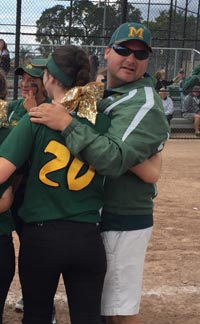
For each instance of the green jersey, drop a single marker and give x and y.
(59, 186)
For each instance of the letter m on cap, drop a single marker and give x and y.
(133, 32)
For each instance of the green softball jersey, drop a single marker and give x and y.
(59, 186)
(138, 129)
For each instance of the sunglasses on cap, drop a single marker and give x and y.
(125, 51)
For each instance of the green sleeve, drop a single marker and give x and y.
(190, 82)
(17, 146)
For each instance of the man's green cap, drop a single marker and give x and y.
(131, 31)
(34, 71)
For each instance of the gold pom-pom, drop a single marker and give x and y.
(3, 113)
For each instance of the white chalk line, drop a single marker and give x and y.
(172, 290)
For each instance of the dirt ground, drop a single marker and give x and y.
(171, 289)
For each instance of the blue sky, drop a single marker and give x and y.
(30, 13)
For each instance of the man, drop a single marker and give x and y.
(137, 131)
(192, 108)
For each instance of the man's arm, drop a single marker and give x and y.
(138, 126)
(149, 170)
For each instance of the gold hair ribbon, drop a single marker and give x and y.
(84, 100)
(3, 114)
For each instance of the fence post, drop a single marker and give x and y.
(124, 11)
(17, 43)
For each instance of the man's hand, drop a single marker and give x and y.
(52, 115)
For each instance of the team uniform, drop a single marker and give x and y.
(138, 130)
(60, 210)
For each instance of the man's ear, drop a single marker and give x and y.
(106, 53)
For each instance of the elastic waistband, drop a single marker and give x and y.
(57, 221)
(43, 223)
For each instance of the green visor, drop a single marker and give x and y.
(54, 70)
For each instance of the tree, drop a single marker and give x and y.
(51, 28)
(84, 23)
(181, 34)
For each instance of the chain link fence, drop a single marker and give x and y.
(33, 29)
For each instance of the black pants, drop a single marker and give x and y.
(72, 249)
(7, 268)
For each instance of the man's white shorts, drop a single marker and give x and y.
(125, 252)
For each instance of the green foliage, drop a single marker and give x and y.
(84, 23)
(172, 30)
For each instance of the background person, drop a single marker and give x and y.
(33, 93)
(168, 104)
(4, 57)
(180, 83)
(161, 81)
(192, 108)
